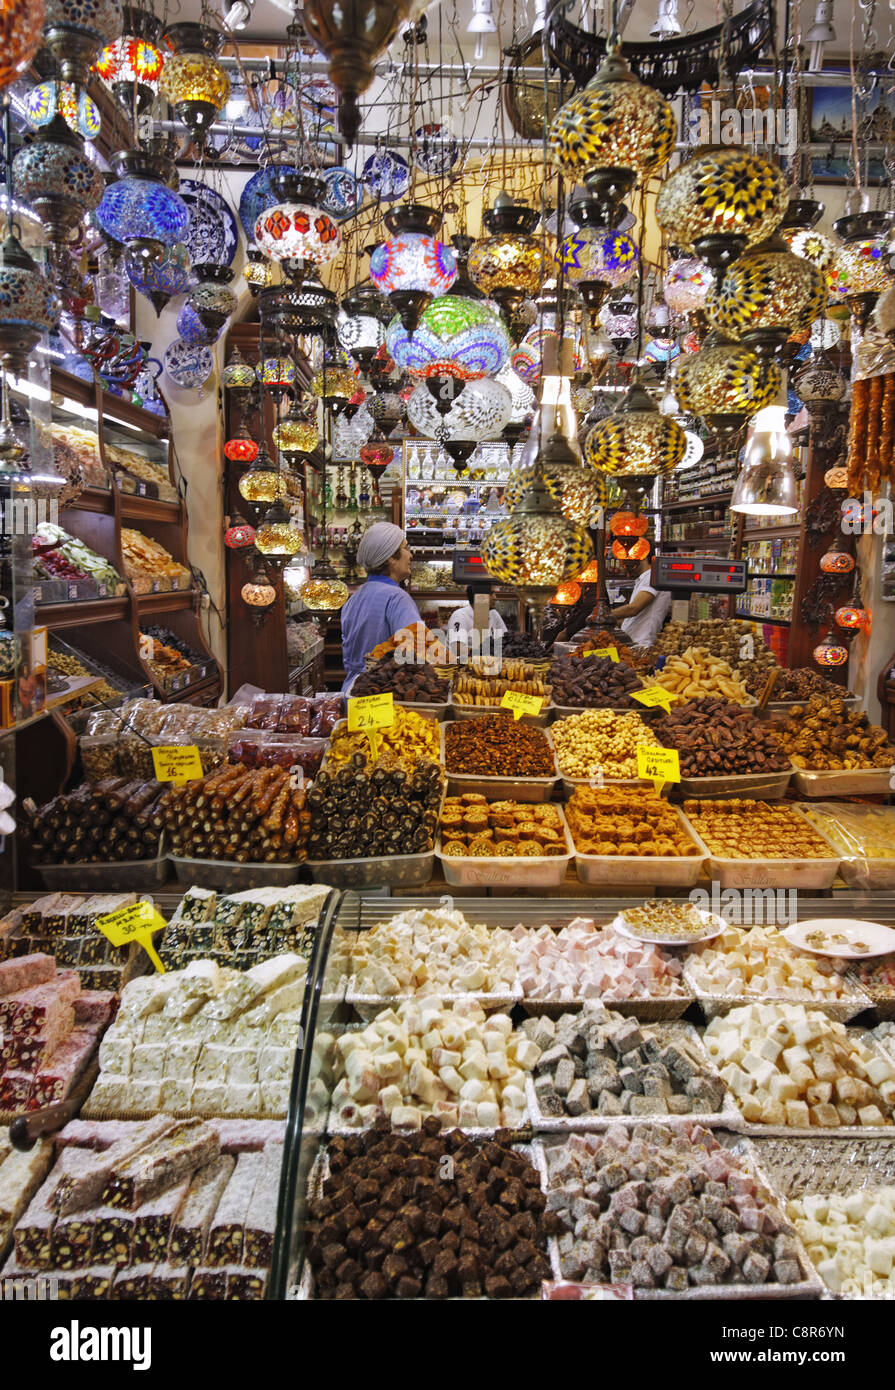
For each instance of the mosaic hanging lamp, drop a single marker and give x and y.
(636, 440)
(458, 337)
(507, 265)
(193, 79)
(132, 65)
(352, 35)
(29, 305)
(140, 209)
(21, 23)
(75, 32)
(296, 229)
(57, 181)
(768, 294)
(162, 279)
(412, 266)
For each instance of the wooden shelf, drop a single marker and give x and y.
(758, 618)
(711, 499)
(100, 500)
(768, 532)
(134, 508)
(170, 601)
(82, 613)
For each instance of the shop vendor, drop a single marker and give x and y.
(380, 607)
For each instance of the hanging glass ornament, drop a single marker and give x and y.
(296, 228)
(261, 484)
(830, 653)
(579, 491)
(334, 382)
(29, 305)
(480, 411)
(352, 35)
(57, 181)
(359, 328)
(132, 65)
(21, 22)
(597, 254)
(615, 131)
(212, 301)
(76, 108)
(852, 618)
(276, 374)
(162, 279)
(721, 201)
(535, 548)
(75, 31)
(276, 539)
(725, 383)
(687, 284)
(412, 266)
(456, 337)
(193, 79)
(636, 440)
(242, 448)
(239, 535)
(140, 209)
(507, 265)
(766, 295)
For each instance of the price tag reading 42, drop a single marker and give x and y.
(521, 704)
(134, 923)
(660, 765)
(177, 764)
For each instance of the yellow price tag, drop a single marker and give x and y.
(176, 764)
(660, 765)
(521, 704)
(653, 696)
(135, 923)
(366, 712)
(611, 652)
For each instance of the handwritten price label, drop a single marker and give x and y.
(659, 765)
(367, 714)
(135, 923)
(176, 764)
(521, 704)
(654, 696)
(611, 652)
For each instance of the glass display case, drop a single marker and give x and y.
(442, 508)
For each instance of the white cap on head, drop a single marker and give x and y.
(378, 543)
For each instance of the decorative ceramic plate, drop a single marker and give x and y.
(344, 193)
(436, 150)
(842, 937)
(387, 175)
(259, 194)
(212, 234)
(188, 366)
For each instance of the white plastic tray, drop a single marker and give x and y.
(385, 871)
(872, 781)
(488, 871)
(667, 871)
(458, 711)
(776, 873)
(761, 786)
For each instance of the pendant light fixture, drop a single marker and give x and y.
(412, 266)
(766, 485)
(351, 34)
(507, 265)
(75, 32)
(57, 181)
(193, 80)
(160, 280)
(140, 209)
(132, 65)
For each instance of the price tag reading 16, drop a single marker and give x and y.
(137, 923)
(175, 764)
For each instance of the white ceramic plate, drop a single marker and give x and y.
(714, 926)
(878, 939)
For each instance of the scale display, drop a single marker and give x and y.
(469, 568)
(704, 573)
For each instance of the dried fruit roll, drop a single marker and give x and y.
(887, 428)
(857, 431)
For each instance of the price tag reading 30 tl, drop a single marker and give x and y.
(660, 765)
(137, 923)
(368, 714)
(176, 764)
(521, 704)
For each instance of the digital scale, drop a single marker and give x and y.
(698, 573)
(469, 568)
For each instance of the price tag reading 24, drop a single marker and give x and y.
(137, 923)
(660, 765)
(367, 714)
(521, 704)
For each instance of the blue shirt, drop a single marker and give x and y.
(374, 613)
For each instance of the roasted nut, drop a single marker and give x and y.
(599, 741)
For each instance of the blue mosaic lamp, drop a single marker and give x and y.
(140, 209)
